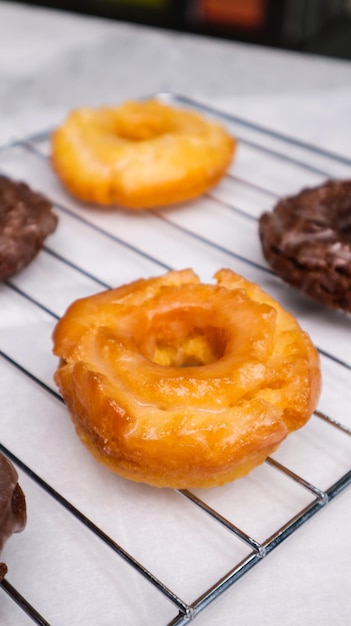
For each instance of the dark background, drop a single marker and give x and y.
(312, 26)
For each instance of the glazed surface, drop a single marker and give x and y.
(140, 154)
(177, 383)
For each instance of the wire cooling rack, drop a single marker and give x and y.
(105, 550)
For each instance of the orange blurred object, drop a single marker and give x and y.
(250, 14)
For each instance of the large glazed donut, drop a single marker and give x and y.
(182, 384)
(140, 154)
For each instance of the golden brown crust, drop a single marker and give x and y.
(140, 155)
(182, 384)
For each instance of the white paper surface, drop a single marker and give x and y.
(70, 576)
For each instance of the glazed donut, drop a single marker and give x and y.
(181, 384)
(306, 240)
(140, 155)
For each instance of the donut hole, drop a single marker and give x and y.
(139, 133)
(137, 130)
(183, 338)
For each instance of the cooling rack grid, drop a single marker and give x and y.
(107, 551)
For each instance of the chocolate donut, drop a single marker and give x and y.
(13, 512)
(26, 219)
(306, 240)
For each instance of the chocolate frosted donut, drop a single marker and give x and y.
(26, 219)
(13, 515)
(306, 240)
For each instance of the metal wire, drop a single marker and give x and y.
(258, 550)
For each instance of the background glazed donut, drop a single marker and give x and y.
(140, 154)
(182, 384)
